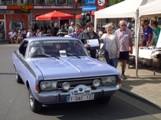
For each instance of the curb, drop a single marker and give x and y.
(4, 42)
(124, 90)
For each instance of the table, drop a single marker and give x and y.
(144, 53)
(145, 56)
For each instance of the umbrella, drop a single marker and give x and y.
(55, 15)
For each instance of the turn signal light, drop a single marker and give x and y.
(37, 87)
(119, 80)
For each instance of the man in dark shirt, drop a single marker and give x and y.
(89, 34)
(55, 29)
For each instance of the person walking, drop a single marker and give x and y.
(23, 32)
(89, 34)
(19, 37)
(76, 33)
(111, 46)
(38, 33)
(29, 33)
(62, 32)
(125, 39)
(55, 29)
(71, 28)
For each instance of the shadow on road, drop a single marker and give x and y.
(116, 109)
(7, 73)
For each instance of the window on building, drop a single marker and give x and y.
(70, 2)
(6, 2)
(30, 2)
(81, 2)
(50, 2)
(62, 2)
(18, 2)
(40, 2)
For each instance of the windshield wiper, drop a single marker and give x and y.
(70, 54)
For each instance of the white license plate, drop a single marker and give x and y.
(80, 98)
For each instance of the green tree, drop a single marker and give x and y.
(112, 2)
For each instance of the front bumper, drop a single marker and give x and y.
(59, 96)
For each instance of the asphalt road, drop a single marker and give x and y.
(14, 104)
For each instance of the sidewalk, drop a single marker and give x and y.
(146, 86)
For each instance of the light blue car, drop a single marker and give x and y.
(59, 70)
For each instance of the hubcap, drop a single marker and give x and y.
(31, 101)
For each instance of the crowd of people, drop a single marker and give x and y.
(150, 35)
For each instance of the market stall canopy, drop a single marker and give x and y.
(79, 15)
(55, 15)
(125, 9)
(150, 9)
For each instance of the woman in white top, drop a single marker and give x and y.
(29, 33)
(111, 46)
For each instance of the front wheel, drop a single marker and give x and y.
(104, 100)
(34, 104)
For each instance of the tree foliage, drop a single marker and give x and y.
(112, 2)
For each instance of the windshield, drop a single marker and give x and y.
(56, 48)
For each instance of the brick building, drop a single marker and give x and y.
(17, 14)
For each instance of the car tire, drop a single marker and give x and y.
(34, 104)
(18, 78)
(104, 100)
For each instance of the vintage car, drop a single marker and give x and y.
(59, 70)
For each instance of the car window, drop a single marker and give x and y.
(23, 47)
(54, 47)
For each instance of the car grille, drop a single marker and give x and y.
(75, 82)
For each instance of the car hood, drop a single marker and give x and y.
(72, 67)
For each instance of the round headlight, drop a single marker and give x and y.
(66, 86)
(96, 83)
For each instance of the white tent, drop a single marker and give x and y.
(151, 9)
(125, 9)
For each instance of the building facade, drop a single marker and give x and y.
(19, 14)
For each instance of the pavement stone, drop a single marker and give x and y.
(146, 86)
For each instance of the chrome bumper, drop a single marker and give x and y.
(55, 96)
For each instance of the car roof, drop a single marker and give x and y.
(49, 38)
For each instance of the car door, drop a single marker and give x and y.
(21, 62)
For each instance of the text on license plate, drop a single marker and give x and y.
(80, 98)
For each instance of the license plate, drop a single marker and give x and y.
(80, 98)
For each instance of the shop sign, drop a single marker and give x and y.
(89, 1)
(88, 8)
(24, 7)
